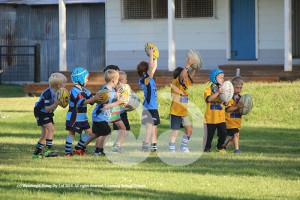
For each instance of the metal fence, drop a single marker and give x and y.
(19, 64)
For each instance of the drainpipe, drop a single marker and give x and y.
(288, 60)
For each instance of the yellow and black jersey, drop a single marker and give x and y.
(215, 110)
(233, 119)
(179, 92)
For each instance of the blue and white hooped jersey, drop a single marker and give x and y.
(77, 112)
(148, 86)
(100, 115)
(46, 99)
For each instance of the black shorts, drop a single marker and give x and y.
(124, 118)
(101, 128)
(150, 116)
(43, 118)
(231, 132)
(77, 129)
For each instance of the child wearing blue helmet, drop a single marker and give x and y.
(215, 111)
(76, 119)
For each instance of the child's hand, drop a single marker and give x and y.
(240, 104)
(98, 97)
(221, 90)
(121, 101)
(150, 51)
(190, 61)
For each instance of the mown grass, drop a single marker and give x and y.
(267, 168)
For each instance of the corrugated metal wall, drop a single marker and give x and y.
(28, 25)
(296, 28)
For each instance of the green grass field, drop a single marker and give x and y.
(267, 168)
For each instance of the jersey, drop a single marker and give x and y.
(77, 112)
(215, 110)
(148, 86)
(110, 115)
(46, 99)
(179, 93)
(233, 119)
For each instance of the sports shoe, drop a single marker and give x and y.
(116, 148)
(68, 155)
(80, 152)
(101, 153)
(37, 156)
(50, 152)
(207, 150)
(237, 151)
(184, 150)
(221, 150)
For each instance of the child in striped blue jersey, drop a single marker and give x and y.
(44, 112)
(150, 115)
(76, 119)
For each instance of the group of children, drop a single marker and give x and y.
(110, 112)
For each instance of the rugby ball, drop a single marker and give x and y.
(155, 50)
(124, 91)
(103, 95)
(228, 91)
(133, 102)
(63, 97)
(246, 99)
(195, 55)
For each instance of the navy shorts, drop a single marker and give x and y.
(178, 122)
(43, 118)
(101, 128)
(150, 116)
(231, 132)
(124, 118)
(77, 129)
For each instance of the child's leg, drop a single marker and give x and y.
(69, 140)
(147, 137)
(211, 128)
(49, 151)
(228, 142)
(172, 141)
(154, 138)
(122, 133)
(41, 143)
(84, 137)
(186, 138)
(236, 141)
(222, 131)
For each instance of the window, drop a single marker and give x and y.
(158, 9)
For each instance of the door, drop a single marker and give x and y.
(243, 41)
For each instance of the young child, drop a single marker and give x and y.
(123, 114)
(76, 119)
(44, 112)
(150, 115)
(117, 125)
(178, 110)
(215, 111)
(102, 114)
(233, 117)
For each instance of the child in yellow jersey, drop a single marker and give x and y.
(233, 117)
(178, 111)
(215, 111)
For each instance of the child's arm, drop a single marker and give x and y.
(152, 62)
(213, 96)
(235, 107)
(53, 106)
(114, 104)
(184, 73)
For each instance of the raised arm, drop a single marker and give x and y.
(152, 62)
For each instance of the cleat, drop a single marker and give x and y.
(207, 150)
(184, 150)
(80, 152)
(68, 155)
(50, 153)
(99, 153)
(144, 149)
(116, 148)
(37, 156)
(237, 151)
